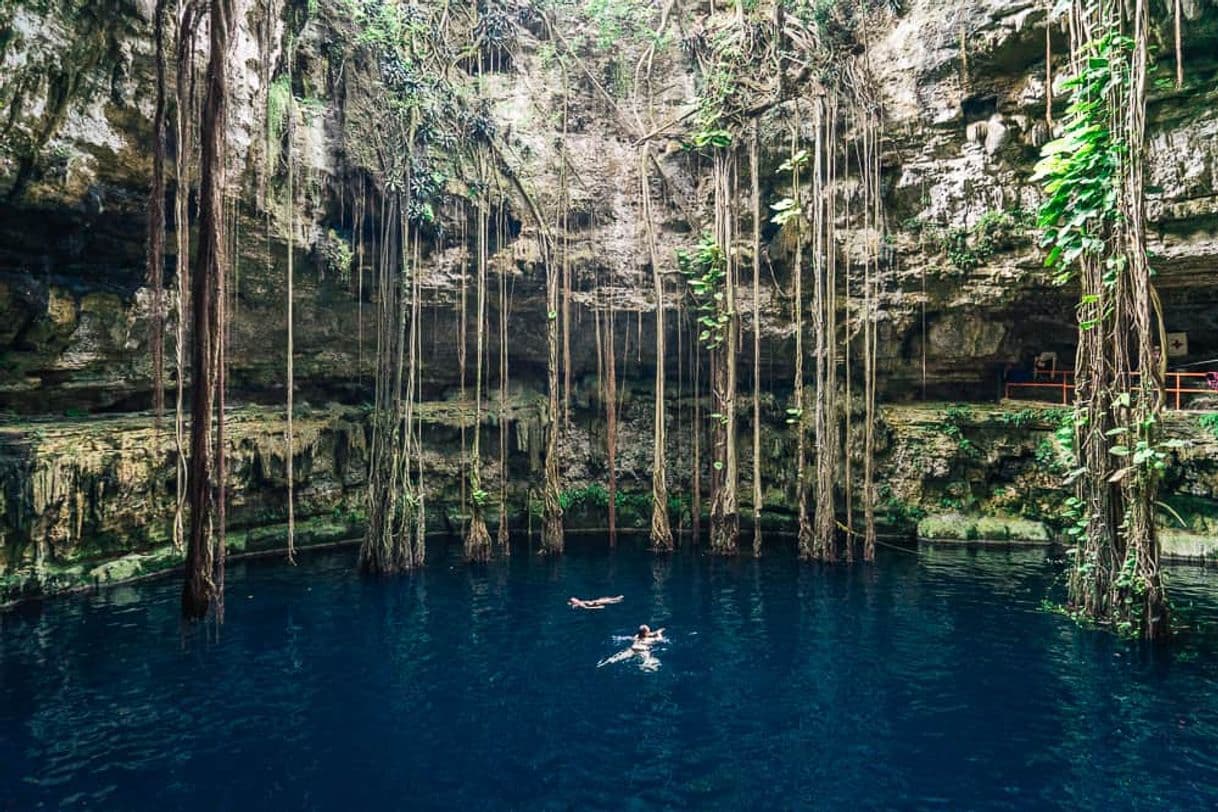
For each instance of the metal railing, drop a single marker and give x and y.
(1179, 387)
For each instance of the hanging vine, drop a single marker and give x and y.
(203, 587)
(1094, 224)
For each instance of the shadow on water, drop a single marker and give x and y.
(930, 679)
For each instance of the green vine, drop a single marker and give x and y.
(1080, 171)
(705, 270)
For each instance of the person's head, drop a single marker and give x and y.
(644, 630)
(573, 601)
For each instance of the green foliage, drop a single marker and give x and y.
(338, 255)
(955, 417)
(617, 21)
(896, 511)
(1048, 457)
(1030, 416)
(787, 209)
(422, 128)
(350, 515)
(278, 104)
(969, 247)
(1209, 422)
(633, 507)
(784, 211)
(714, 137)
(1081, 169)
(594, 495)
(705, 270)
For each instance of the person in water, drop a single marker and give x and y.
(595, 603)
(644, 638)
(639, 649)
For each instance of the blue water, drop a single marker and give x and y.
(928, 681)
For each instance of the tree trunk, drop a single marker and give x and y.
(203, 562)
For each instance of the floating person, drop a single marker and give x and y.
(646, 638)
(595, 603)
(640, 648)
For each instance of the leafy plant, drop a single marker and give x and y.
(705, 270)
(954, 419)
(1080, 170)
(338, 255)
(278, 102)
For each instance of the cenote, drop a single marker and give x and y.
(869, 348)
(932, 679)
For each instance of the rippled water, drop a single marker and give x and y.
(929, 680)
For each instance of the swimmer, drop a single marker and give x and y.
(640, 649)
(645, 637)
(595, 603)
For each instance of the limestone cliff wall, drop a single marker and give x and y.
(964, 104)
(90, 501)
(964, 293)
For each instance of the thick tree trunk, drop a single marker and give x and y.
(203, 562)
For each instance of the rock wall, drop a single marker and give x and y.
(964, 293)
(84, 502)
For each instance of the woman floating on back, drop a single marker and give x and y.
(595, 603)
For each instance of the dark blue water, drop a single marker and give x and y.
(928, 681)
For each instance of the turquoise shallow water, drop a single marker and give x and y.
(927, 681)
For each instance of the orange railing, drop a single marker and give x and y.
(1179, 387)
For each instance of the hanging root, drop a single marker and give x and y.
(477, 538)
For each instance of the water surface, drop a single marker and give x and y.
(931, 680)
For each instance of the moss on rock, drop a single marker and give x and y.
(958, 527)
